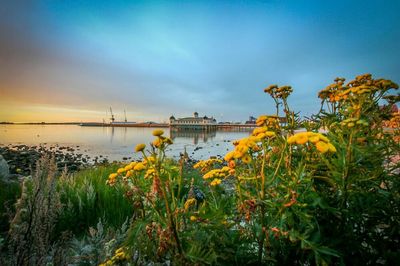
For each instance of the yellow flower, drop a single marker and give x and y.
(209, 174)
(323, 138)
(314, 139)
(322, 147)
(237, 154)
(129, 173)
(193, 218)
(261, 120)
(331, 147)
(121, 170)
(140, 147)
(246, 159)
(269, 134)
(259, 130)
(158, 132)
(301, 138)
(149, 173)
(150, 159)
(229, 156)
(242, 148)
(132, 164)
(189, 203)
(291, 139)
(157, 143)
(215, 182)
(139, 167)
(128, 167)
(112, 176)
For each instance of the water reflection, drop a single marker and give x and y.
(204, 136)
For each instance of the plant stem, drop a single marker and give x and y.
(262, 209)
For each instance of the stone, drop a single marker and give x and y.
(4, 170)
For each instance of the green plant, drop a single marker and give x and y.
(87, 199)
(9, 193)
(37, 210)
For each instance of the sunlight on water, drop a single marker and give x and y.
(116, 143)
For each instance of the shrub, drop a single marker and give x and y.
(281, 196)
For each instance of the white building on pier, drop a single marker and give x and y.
(195, 122)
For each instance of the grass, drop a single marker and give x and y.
(9, 193)
(87, 199)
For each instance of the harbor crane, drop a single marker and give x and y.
(112, 116)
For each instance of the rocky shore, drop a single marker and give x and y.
(21, 159)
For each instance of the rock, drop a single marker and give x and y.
(4, 170)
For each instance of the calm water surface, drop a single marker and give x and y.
(116, 143)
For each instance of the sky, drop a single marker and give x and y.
(72, 60)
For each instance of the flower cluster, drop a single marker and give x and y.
(206, 165)
(133, 168)
(218, 174)
(130, 170)
(322, 143)
(160, 142)
(395, 121)
(331, 92)
(261, 133)
(269, 121)
(279, 92)
(120, 256)
(352, 122)
(244, 147)
(362, 85)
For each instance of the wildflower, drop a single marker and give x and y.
(261, 120)
(150, 159)
(140, 147)
(237, 154)
(217, 173)
(129, 173)
(246, 159)
(157, 143)
(158, 132)
(215, 182)
(314, 139)
(205, 165)
(112, 176)
(189, 203)
(301, 138)
(128, 167)
(121, 170)
(269, 134)
(291, 139)
(259, 130)
(331, 147)
(139, 167)
(150, 173)
(322, 147)
(321, 142)
(229, 156)
(242, 148)
(112, 179)
(193, 218)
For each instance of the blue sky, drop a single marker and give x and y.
(71, 60)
